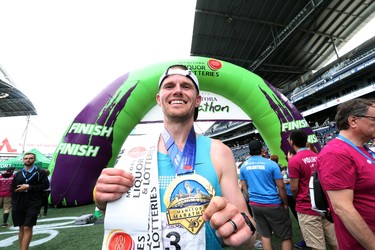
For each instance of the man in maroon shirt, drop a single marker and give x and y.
(316, 229)
(346, 170)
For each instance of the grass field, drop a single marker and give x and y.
(58, 231)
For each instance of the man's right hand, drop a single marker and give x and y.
(111, 185)
(22, 188)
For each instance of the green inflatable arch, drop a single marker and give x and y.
(95, 137)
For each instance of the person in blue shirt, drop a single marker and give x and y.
(264, 186)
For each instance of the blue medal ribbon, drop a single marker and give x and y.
(183, 161)
(24, 172)
(372, 153)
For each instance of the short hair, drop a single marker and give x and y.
(292, 151)
(299, 137)
(255, 147)
(358, 106)
(9, 170)
(30, 153)
(274, 158)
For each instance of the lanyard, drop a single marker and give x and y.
(30, 171)
(360, 151)
(183, 161)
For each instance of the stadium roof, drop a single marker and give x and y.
(12, 101)
(279, 40)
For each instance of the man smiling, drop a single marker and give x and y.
(208, 189)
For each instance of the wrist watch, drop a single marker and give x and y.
(248, 222)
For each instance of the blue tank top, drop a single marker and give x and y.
(205, 168)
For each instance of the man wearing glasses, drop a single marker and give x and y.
(346, 169)
(27, 196)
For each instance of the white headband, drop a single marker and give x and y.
(182, 72)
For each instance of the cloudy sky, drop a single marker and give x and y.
(61, 54)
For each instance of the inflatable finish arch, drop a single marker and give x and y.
(95, 137)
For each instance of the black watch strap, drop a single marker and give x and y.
(248, 222)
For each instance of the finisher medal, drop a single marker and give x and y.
(186, 198)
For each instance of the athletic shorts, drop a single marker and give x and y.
(26, 217)
(273, 219)
(317, 231)
(6, 203)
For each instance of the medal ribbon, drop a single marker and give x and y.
(372, 153)
(24, 172)
(184, 161)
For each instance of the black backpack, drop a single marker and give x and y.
(319, 202)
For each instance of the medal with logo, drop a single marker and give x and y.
(188, 195)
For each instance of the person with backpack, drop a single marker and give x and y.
(317, 231)
(346, 168)
(27, 197)
(292, 200)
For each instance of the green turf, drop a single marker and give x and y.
(70, 236)
(74, 237)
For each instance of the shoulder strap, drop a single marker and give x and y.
(319, 202)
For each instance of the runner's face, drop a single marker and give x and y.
(178, 97)
(28, 160)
